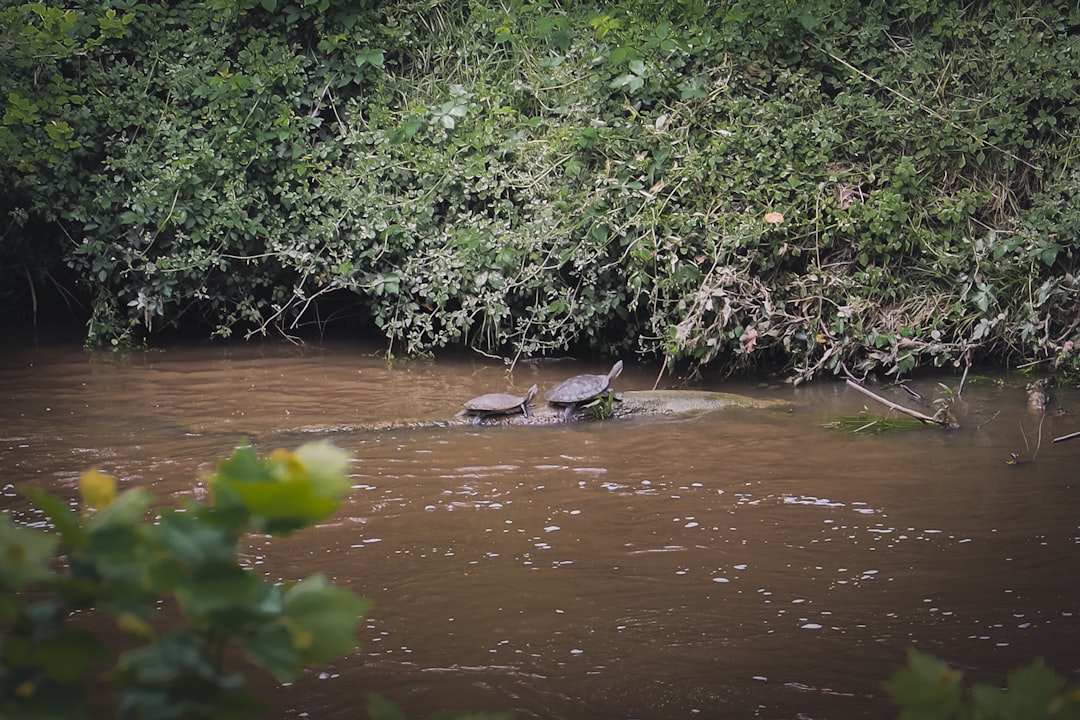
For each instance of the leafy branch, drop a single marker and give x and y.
(110, 559)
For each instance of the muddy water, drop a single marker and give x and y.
(729, 565)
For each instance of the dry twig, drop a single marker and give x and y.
(899, 408)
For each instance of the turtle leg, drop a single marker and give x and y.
(568, 413)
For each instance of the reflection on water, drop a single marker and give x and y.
(738, 564)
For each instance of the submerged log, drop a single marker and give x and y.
(628, 404)
(632, 403)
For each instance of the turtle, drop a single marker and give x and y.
(582, 388)
(498, 404)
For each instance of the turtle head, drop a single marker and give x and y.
(615, 370)
(531, 394)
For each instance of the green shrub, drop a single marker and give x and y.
(527, 179)
(928, 689)
(112, 560)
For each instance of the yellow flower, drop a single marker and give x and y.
(131, 623)
(97, 488)
(286, 465)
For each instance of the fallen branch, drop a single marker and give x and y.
(1070, 436)
(893, 406)
(967, 366)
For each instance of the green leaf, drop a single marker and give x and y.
(128, 508)
(562, 39)
(194, 542)
(369, 56)
(179, 653)
(219, 589)
(1032, 690)
(621, 54)
(289, 490)
(988, 702)
(807, 19)
(736, 15)
(379, 708)
(327, 468)
(25, 554)
(118, 556)
(59, 131)
(631, 82)
(63, 519)
(926, 689)
(322, 619)
(271, 647)
(67, 656)
(244, 466)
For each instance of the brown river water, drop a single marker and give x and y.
(735, 564)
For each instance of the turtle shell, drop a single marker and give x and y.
(499, 402)
(583, 387)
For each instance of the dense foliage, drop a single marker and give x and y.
(928, 689)
(123, 566)
(782, 183)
